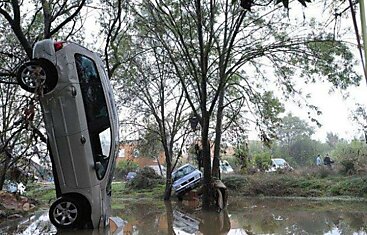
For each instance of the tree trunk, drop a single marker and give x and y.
(218, 136)
(208, 192)
(4, 169)
(168, 189)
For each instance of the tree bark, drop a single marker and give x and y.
(218, 135)
(4, 169)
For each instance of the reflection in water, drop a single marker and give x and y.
(243, 216)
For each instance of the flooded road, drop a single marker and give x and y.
(243, 216)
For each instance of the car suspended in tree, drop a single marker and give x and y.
(82, 129)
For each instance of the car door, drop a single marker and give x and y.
(96, 111)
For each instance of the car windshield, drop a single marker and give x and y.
(182, 172)
(279, 162)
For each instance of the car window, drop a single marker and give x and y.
(96, 112)
(92, 90)
(182, 172)
(279, 162)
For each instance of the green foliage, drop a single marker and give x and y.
(293, 127)
(335, 62)
(295, 184)
(123, 167)
(242, 156)
(150, 145)
(146, 178)
(235, 182)
(42, 193)
(352, 156)
(295, 144)
(262, 160)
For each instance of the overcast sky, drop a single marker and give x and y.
(337, 106)
(336, 110)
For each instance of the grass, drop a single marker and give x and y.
(41, 192)
(293, 184)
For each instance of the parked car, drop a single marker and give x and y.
(225, 167)
(131, 175)
(279, 163)
(82, 128)
(185, 178)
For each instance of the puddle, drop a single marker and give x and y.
(243, 216)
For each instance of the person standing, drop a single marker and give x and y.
(318, 160)
(328, 161)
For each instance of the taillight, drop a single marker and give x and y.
(58, 45)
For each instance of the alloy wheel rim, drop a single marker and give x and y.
(65, 213)
(33, 76)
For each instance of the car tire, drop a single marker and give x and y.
(67, 213)
(42, 72)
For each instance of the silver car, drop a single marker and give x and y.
(185, 178)
(82, 129)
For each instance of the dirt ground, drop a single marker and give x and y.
(14, 206)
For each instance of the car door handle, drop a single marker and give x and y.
(82, 139)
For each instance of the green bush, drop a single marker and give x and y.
(146, 178)
(124, 167)
(262, 160)
(235, 182)
(348, 167)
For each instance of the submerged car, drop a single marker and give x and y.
(279, 164)
(186, 178)
(82, 128)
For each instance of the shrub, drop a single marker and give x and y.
(262, 160)
(348, 167)
(145, 178)
(235, 182)
(124, 167)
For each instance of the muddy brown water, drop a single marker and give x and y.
(243, 216)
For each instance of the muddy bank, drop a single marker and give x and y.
(14, 206)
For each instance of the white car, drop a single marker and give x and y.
(225, 167)
(279, 163)
(81, 124)
(185, 178)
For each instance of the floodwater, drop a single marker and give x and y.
(243, 216)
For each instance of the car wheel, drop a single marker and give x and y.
(37, 75)
(66, 213)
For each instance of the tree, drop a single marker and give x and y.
(211, 43)
(150, 145)
(56, 16)
(21, 135)
(360, 117)
(332, 139)
(293, 127)
(156, 100)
